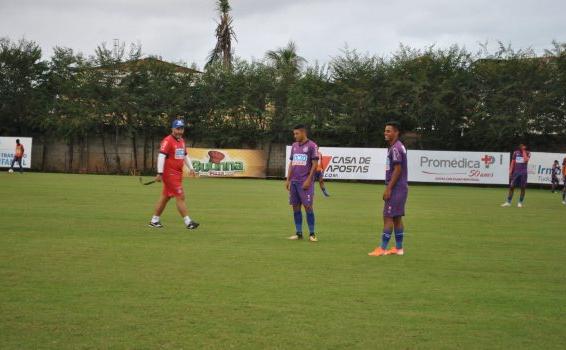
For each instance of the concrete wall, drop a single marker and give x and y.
(88, 155)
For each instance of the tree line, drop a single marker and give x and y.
(446, 99)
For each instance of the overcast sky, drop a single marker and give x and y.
(183, 29)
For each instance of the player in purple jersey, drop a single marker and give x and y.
(395, 194)
(300, 175)
(518, 173)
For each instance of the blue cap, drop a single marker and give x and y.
(178, 123)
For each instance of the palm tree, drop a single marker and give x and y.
(286, 62)
(224, 35)
(287, 66)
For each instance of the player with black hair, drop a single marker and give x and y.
(396, 192)
(300, 176)
(518, 174)
(18, 156)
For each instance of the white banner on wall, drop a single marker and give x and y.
(540, 166)
(350, 163)
(432, 166)
(458, 167)
(8, 148)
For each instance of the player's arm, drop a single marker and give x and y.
(314, 165)
(308, 181)
(289, 172)
(189, 164)
(526, 155)
(394, 178)
(161, 159)
(160, 166)
(512, 166)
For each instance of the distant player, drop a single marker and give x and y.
(300, 176)
(18, 156)
(555, 175)
(518, 173)
(564, 181)
(395, 194)
(319, 175)
(172, 156)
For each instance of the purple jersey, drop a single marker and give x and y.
(301, 159)
(520, 162)
(397, 154)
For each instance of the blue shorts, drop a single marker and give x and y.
(298, 196)
(395, 206)
(518, 180)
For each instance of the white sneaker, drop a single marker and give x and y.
(506, 204)
(519, 205)
(295, 237)
(564, 202)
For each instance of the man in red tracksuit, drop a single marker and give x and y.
(172, 156)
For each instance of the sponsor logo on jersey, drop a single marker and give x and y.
(179, 153)
(299, 159)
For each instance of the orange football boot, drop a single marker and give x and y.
(377, 252)
(395, 251)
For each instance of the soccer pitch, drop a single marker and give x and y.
(79, 268)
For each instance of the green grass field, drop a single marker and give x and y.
(80, 269)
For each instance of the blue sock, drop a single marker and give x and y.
(399, 238)
(563, 194)
(521, 199)
(385, 237)
(298, 216)
(509, 199)
(310, 221)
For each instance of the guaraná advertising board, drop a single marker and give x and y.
(228, 162)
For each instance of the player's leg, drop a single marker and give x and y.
(20, 164)
(182, 208)
(322, 186)
(161, 204)
(295, 202)
(523, 183)
(385, 236)
(564, 192)
(309, 210)
(399, 235)
(307, 199)
(12, 165)
(510, 194)
(298, 220)
(388, 227)
(521, 197)
(159, 208)
(393, 211)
